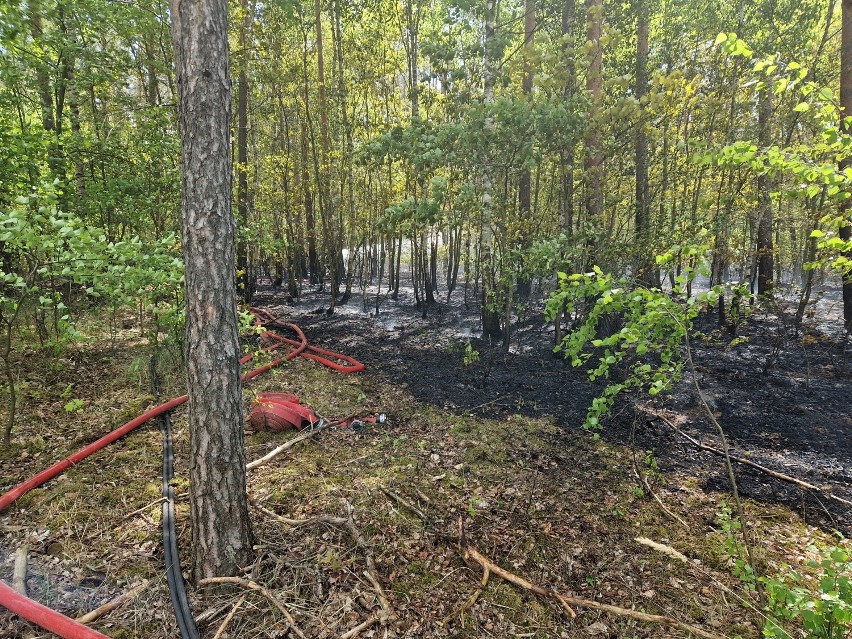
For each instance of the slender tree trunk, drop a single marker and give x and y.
(491, 329)
(765, 249)
(645, 270)
(308, 201)
(222, 538)
(245, 286)
(846, 105)
(525, 179)
(567, 155)
(594, 86)
(332, 248)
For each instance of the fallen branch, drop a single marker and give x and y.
(250, 585)
(405, 503)
(230, 616)
(486, 573)
(748, 462)
(370, 573)
(662, 506)
(647, 484)
(210, 614)
(286, 446)
(109, 606)
(354, 632)
(144, 508)
(320, 519)
(566, 601)
(19, 574)
(662, 548)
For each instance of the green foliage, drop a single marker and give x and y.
(76, 405)
(814, 167)
(630, 335)
(51, 258)
(732, 531)
(824, 608)
(471, 355)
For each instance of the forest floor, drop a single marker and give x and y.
(494, 443)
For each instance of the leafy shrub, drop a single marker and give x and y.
(824, 612)
(649, 333)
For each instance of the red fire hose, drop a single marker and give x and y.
(45, 617)
(66, 627)
(321, 355)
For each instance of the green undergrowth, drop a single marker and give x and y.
(553, 506)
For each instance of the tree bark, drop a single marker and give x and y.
(525, 180)
(765, 249)
(645, 261)
(491, 329)
(594, 85)
(567, 155)
(222, 539)
(846, 105)
(245, 279)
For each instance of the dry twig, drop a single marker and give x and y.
(354, 632)
(662, 548)
(748, 462)
(566, 601)
(286, 446)
(19, 575)
(251, 585)
(370, 573)
(486, 573)
(144, 508)
(230, 616)
(405, 503)
(321, 519)
(109, 606)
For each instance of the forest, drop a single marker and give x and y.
(534, 316)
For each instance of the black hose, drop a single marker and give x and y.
(177, 588)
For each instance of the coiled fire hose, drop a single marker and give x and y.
(66, 627)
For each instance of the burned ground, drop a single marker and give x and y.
(783, 399)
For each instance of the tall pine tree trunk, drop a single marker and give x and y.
(245, 280)
(221, 529)
(645, 271)
(594, 157)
